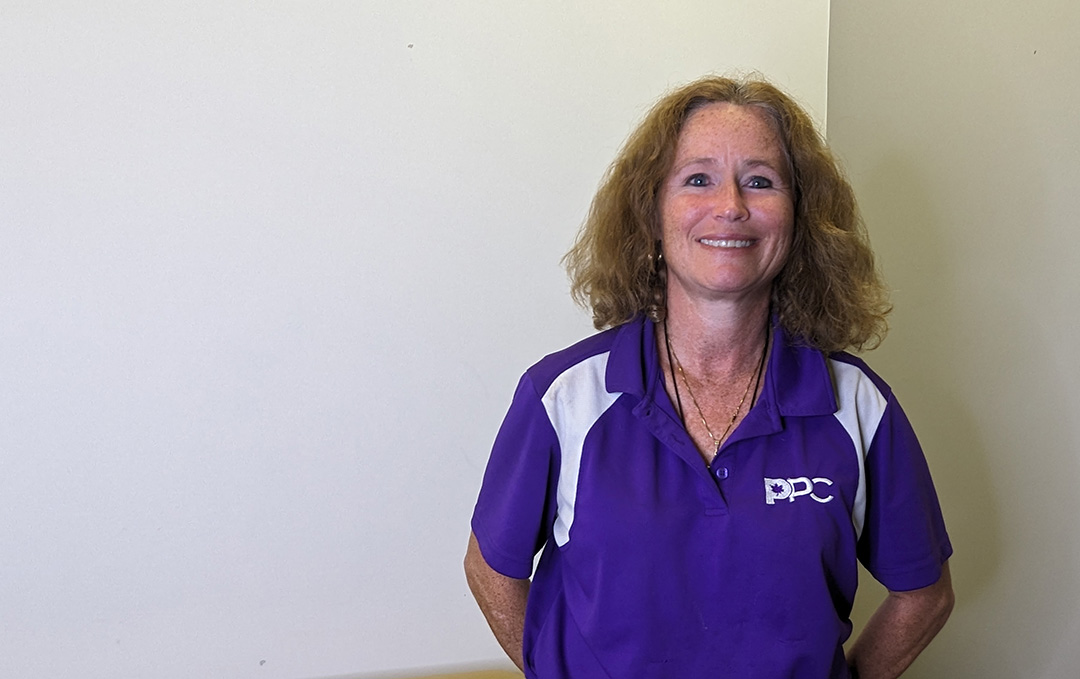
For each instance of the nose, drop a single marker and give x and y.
(730, 205)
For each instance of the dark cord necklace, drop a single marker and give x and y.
(755, 380)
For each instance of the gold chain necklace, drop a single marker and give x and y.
(734, 416)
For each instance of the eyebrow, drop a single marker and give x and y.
(753, 162)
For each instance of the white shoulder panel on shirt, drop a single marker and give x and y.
(861, 407)
(574, 402)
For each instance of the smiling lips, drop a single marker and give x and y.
(725, 242)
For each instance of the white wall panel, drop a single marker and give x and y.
(268, 274)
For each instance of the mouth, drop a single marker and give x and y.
(725, 242)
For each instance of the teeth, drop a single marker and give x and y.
(725, 243)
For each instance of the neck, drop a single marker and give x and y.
(717, 337)
(714, 375)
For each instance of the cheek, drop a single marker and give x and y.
(679, 214)
(669, 221)
(785, 230)
(787, 243)
(785, 222)
(788, 237)
(788, 230)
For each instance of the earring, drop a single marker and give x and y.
(656, 261)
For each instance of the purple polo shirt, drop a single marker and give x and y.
(655, 566)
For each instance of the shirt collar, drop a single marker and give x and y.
(798, 377)
(797, 381)
(633, 358)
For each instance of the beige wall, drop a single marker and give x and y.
(958, 122)
(269, 272)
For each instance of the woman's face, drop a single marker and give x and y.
(726, 206)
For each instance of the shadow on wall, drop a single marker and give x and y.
(969, 358)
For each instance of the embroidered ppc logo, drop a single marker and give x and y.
(789, 489)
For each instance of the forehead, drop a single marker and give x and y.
(728, 127)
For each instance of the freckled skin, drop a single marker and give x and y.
(729, 180)
(904, 625)
(501, 599)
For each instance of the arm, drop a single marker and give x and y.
(901, 628)
(501, 598)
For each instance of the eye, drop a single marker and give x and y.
(759, 182)
(697, 179)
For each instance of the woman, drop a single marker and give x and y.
(704, 474)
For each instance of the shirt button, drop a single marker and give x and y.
(721, 473)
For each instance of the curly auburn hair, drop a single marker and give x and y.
(829, 293)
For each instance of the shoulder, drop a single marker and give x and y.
(863, 395)
(851, 373)
(863, 399)
(586, 357)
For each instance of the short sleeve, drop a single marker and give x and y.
(515, 509)
(904, 543)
